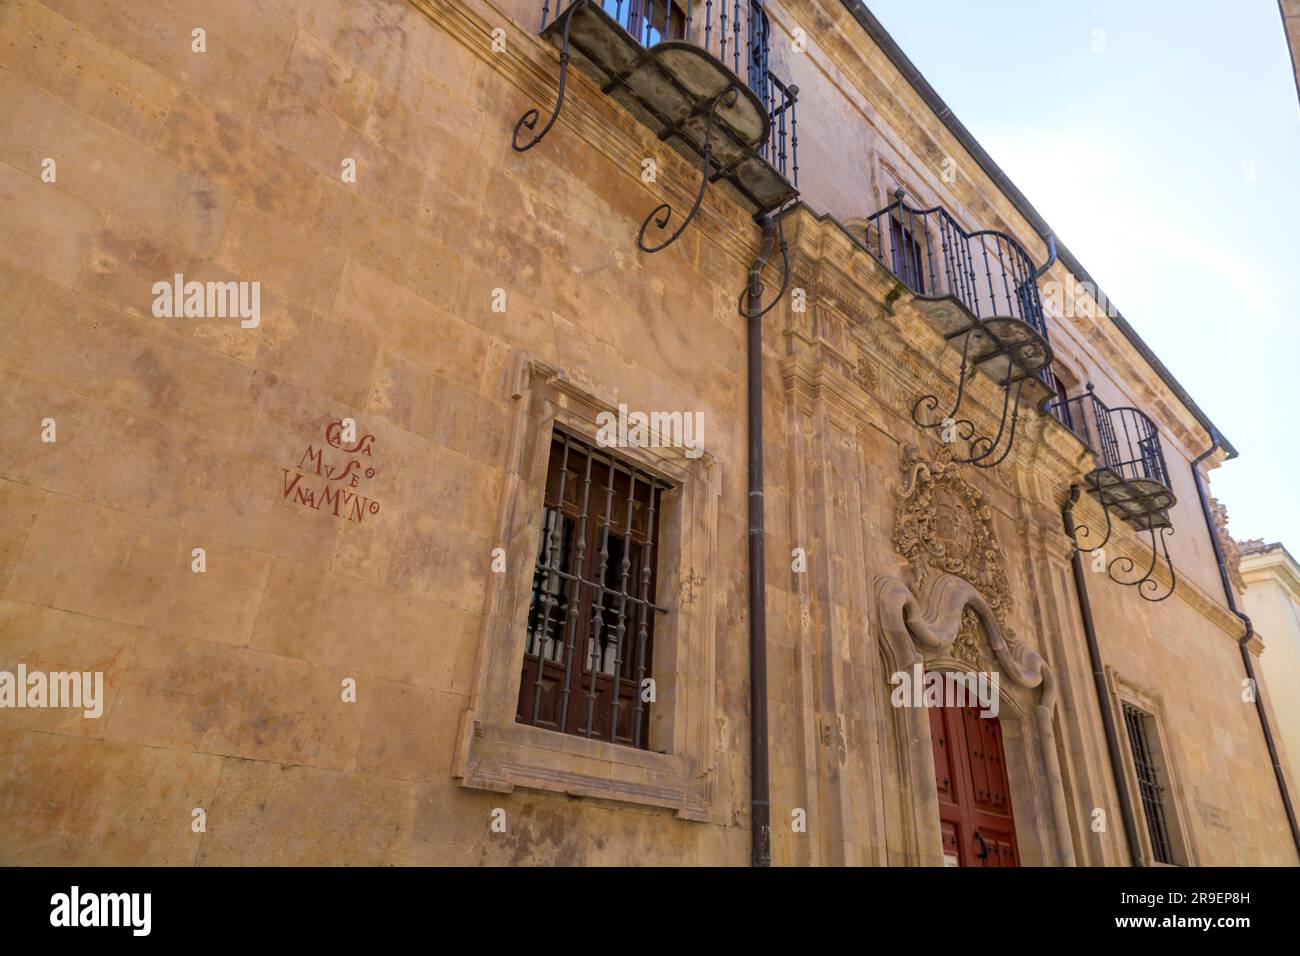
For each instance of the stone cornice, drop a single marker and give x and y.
(1272, 565)
(1087, 330)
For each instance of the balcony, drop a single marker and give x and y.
(979, 289)
(1131, 478)
(677, 68)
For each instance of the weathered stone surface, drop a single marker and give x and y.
(107, 169)
(404, 735)
(215, 698)
(48, 230)
(266, 814)
(93, 75)
(19, 505)
(52, 641)
(457, 303)
(64, 801)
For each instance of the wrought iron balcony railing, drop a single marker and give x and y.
(1131, 476)
(678, 67)
(980, 290)
(1131, 479)
(987, 271)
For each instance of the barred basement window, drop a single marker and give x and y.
(591, 615)
(1149, 786)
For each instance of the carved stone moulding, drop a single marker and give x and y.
(942, 523)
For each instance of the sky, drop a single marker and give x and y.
(1161, 142)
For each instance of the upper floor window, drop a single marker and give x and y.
(650, 21)
(759, 33)
(589, 643)
(1061, 407)
(906, 256)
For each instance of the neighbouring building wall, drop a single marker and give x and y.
(337, 682)
(1271, 597)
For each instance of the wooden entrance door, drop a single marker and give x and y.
(974, 798)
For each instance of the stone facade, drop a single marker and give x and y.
(227, 689)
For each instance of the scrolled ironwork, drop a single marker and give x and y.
(1148, 587)
(981, 446)
(983, 286)
(662, 214)
(987, 270)
(1087, 531)
(985, 445)
(930, 401)
(530, 118)
(1125, 438)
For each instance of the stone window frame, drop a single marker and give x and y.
(1125, 691)
(495, 752)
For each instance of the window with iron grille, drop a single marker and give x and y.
(1149, 786)
(589, 644)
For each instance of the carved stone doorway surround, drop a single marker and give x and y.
(957, 602)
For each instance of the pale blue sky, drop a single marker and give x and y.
(1169, 162)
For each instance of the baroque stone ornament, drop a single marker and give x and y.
(1231, 552)
(942, 524)
(971, 640)
(865, 375)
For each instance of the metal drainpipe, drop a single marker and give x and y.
(1051, 258)
(1244, 643)
(1103, 693)
(759, 796)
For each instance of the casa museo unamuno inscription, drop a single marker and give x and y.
(329, 479)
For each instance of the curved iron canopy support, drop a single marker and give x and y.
(1147, 585)
(1088, 533)
(986, 446)
(1016, 375)
(662, 213)
(530, 118)
(930, 401)
(739, 131)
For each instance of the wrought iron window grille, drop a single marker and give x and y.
(677, 67)
(1149, 787)
(980, 290)
(589, 640)
(1131, 479)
